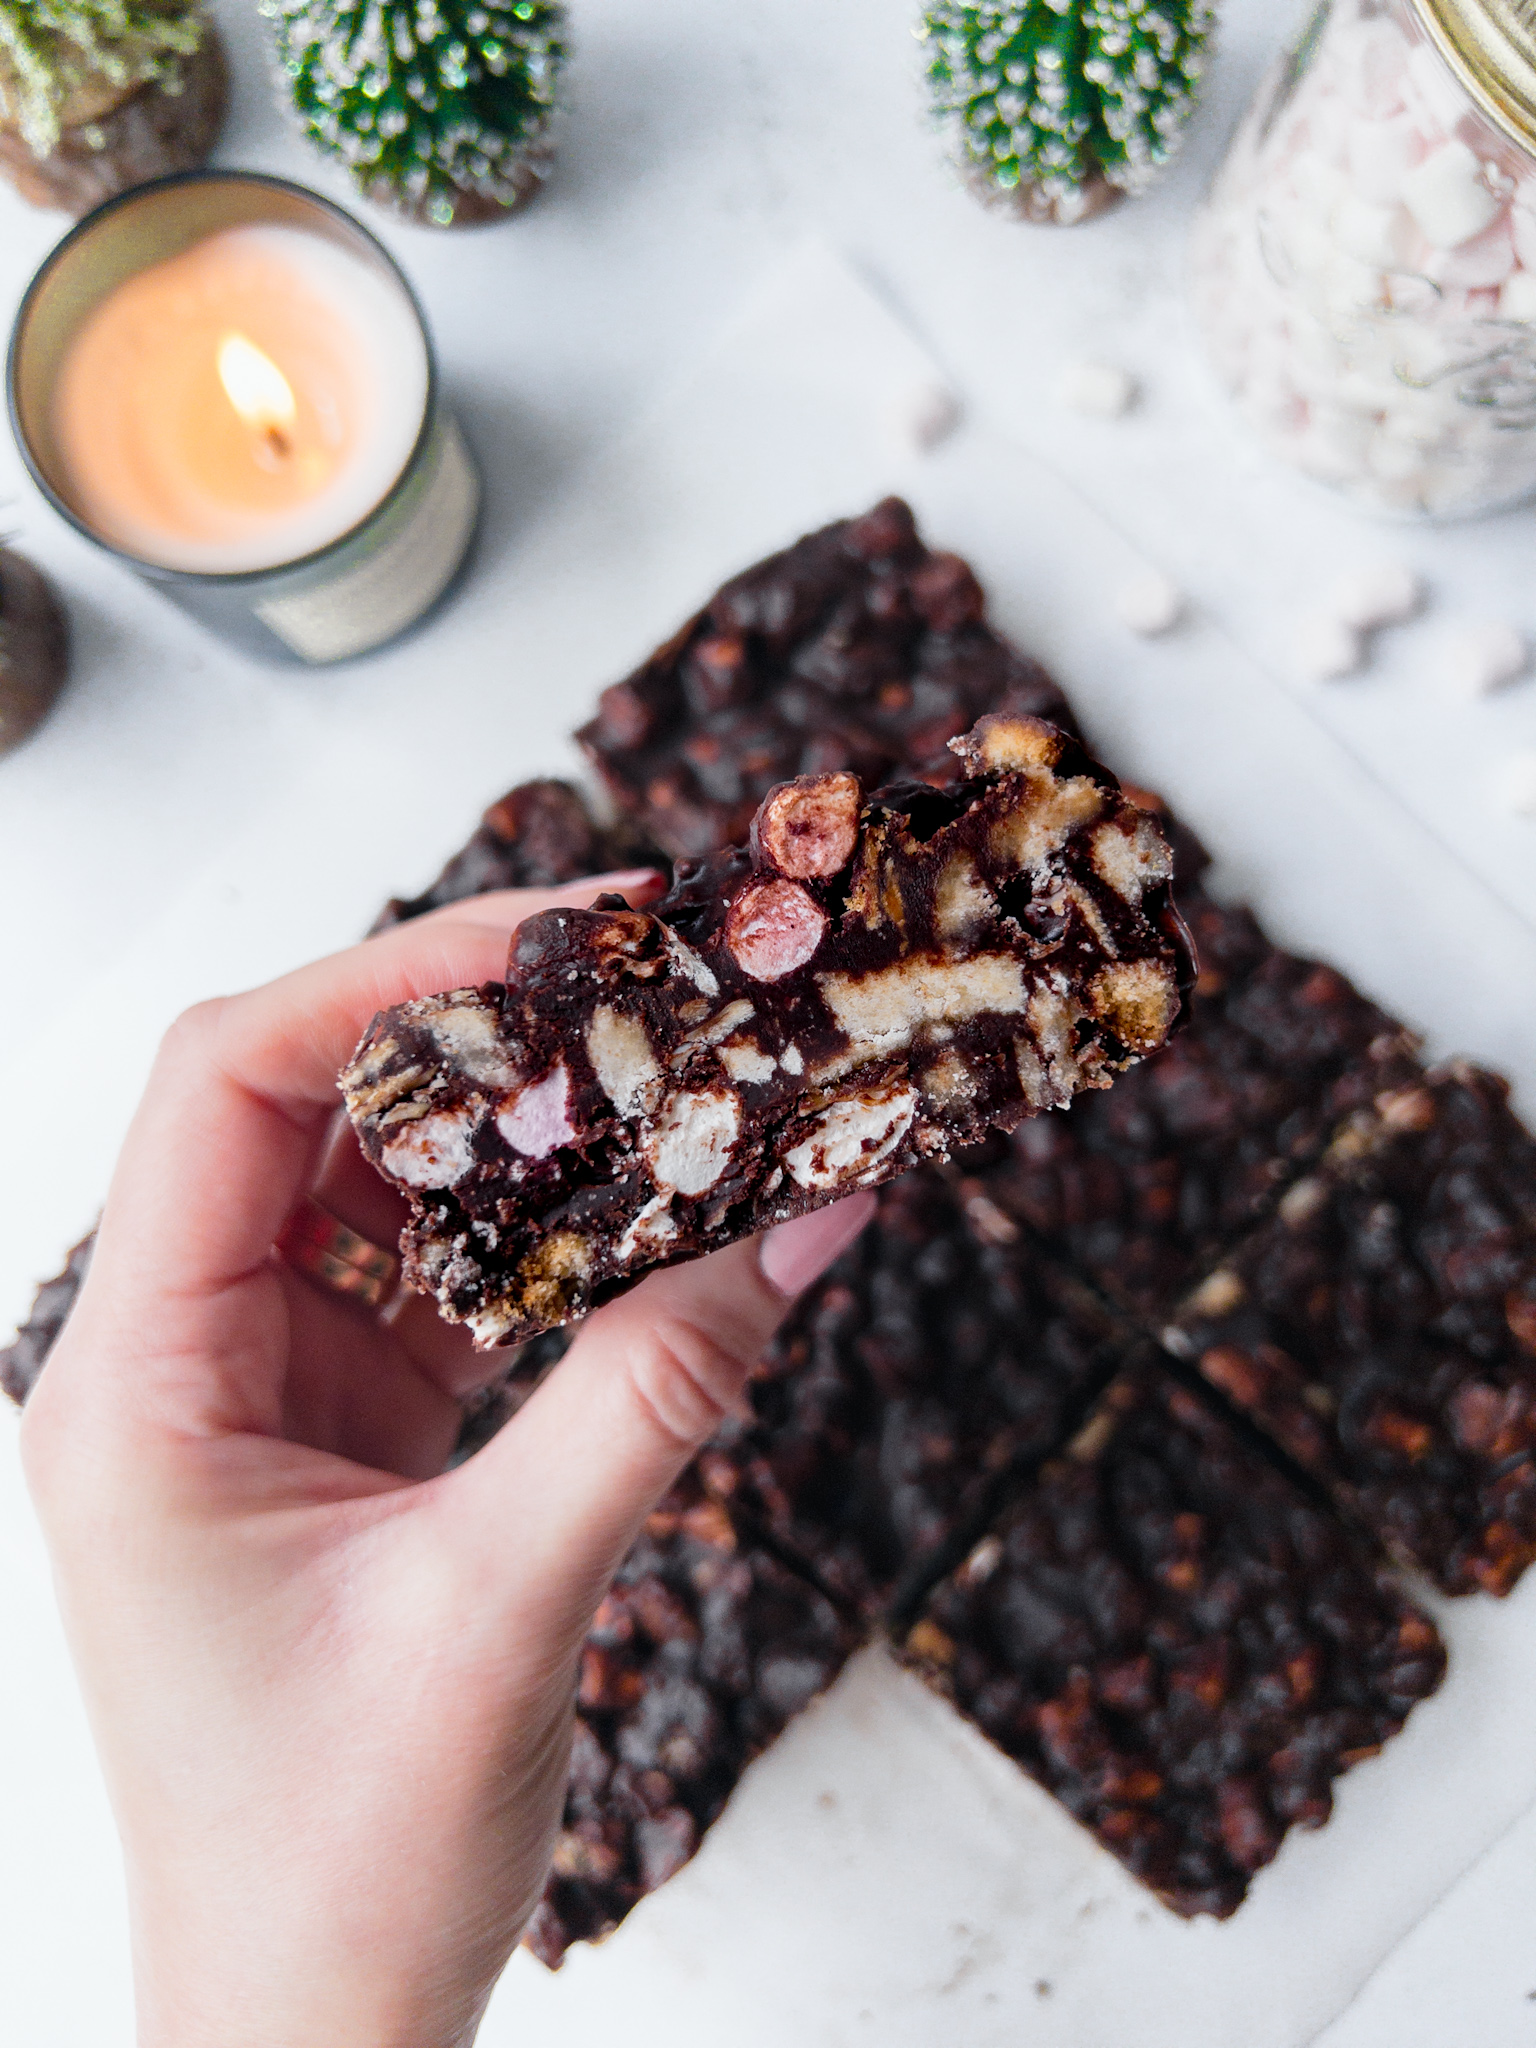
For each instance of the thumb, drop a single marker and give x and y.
(647, 1382)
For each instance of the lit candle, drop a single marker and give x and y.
(225, 380)
(241, 404)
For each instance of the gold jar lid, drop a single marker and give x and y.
(1491, 47)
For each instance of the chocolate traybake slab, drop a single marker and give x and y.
(701, 1653)
(1176, 1643)
(860, 989)
(537, 836)
(937, 1355)
(858, 648)
(1382, 1327)
(1143, 1187)
(947, 1360)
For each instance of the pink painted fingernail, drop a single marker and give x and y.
(620, 882)
(794, 1254)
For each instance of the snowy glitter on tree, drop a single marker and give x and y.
(438, 108)
(57, 55)
(100, 95)
(1061, 106)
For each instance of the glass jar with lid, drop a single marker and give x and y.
(1364, 269)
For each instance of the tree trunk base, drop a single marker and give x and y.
(461, 206)
(1026, 201)
(149, 134)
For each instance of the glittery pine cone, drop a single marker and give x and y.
(145, 131)
(34, 649)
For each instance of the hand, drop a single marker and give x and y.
(331, 1683)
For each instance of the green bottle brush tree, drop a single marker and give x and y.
(1060, 107)
(440, 109)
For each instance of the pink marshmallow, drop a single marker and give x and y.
(1485, 261)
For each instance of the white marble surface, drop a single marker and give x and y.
(189, 821)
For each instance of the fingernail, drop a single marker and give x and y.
(794, 1254)
(621, 882)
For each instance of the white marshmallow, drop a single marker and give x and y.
(1375, 61)
(1430, 84)
(1381, 154)
(1337, 312)
(1395, 462)
(1349, 288)
(921, 415)
(1484, 657)
(1447, 197)
(1383, 594)
(1318, 184)
(1326, 648)
(1515, 782)
(1375, 235)
(1101, 390)
(1149, 603)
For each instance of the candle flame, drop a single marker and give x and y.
(257, 389)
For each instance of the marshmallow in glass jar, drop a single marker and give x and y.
(1364, 270)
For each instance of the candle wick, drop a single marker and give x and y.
(278, 442)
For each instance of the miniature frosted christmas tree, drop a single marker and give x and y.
(98, 95)
(1063, 106)
(440, 109)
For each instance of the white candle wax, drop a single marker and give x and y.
(241, 405)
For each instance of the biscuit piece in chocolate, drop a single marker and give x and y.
(941, 1352)
(701, 1653)
(861, 990)
(1382, 1326)
(537, 836)
(1142, 1189)
(858, 648)
(1177, 1644)
(23, 1359)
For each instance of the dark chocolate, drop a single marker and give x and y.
(940, 1353)
(1382, 1326)
(1175, 1642)
(858, 648)
(862, 991)
(1142, 1188)
(538, 836)
(702, 1652)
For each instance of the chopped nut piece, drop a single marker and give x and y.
(1138, 999)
